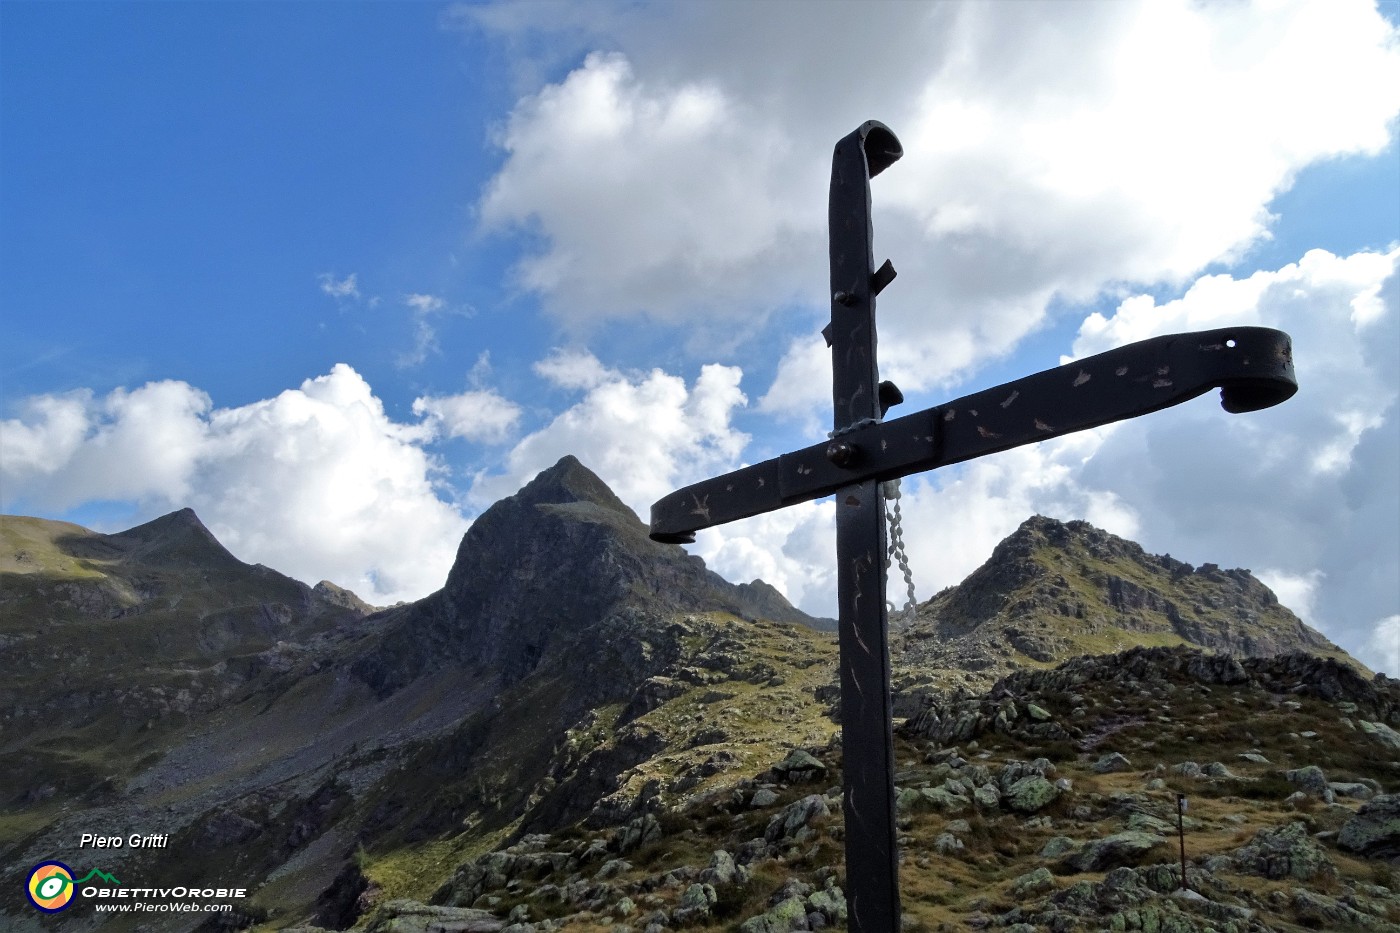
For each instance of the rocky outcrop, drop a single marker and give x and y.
(1375, 830)
(535, 575)
(1055, 695)
(1053, 590)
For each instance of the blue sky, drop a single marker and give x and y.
(340, 275)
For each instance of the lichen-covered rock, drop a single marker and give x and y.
(721, 870)
(1311, 780)
(695, 904)
(1375, 830)
(1353, 789)
(1285, 852)
(612, 868)
(1030, 794)
(943, 799)
(638, 832)
(409, 916)
(1111, 763)
(1319, 911)
(830, 903)
(1381, 733)
(1033, 884)
(797, 819)
(787, 915)
(1120, 849)
(763, 797)
(799, 766)
(947, 844)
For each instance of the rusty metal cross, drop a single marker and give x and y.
(1252, 366)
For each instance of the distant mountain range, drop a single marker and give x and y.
(571, 677)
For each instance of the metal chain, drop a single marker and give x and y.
(896, 554)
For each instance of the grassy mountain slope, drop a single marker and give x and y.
(1054, 807)
(271, 728)
(115, 646)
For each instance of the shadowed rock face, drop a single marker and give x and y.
(538, 570)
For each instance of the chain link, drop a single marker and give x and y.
(896, 554)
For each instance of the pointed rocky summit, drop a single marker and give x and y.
(538, 570)
(1056, 590)
(177, 539)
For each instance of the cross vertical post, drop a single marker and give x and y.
(867, 738)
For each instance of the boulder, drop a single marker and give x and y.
(1284, 852)
(1353, 789)
(637, 833)
(695, 904)
(1381, 733)
(829, 903)
(987, 797)
(1058, 846)
(1375, 830)
(721, 869)
(408, 916)
(1030, 794)
(763, 797)
(787, 915)
(1311, 781)
(1111, 763)
(795, 821)
(1120, 849)
(947, 844)
(799, 766)
(1033, 884)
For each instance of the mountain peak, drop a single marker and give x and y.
(569, 481)
(178, 537)
(1053, 590)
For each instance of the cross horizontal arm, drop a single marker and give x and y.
(1252, 366)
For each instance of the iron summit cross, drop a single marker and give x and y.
(1253, 367)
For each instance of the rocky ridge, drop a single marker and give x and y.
(1054, 590)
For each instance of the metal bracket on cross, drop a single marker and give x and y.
(1252, 366)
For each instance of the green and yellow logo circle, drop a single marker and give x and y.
(50, 887)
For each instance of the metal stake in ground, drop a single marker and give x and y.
(1181, 836)
(1253, 367)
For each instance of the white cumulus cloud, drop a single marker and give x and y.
(1385, 645)
(644, 433)
(1050, 151)
(481, 415)
(317, 482)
